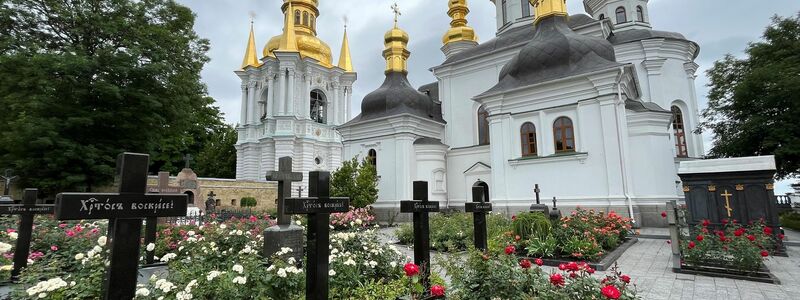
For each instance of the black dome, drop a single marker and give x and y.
(555, 52)
(397, 96)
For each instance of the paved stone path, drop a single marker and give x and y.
(649, 262)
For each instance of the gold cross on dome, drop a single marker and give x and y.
(397, 13)
(728, 207)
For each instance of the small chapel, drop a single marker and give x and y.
(594, 108)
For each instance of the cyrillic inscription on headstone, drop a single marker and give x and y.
(78, 206)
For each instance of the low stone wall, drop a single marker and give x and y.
(229, 192)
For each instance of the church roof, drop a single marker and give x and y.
(556, 51)
(513, 37)
(428, 141)
(634, 35)
(639, 106)
(396, 96)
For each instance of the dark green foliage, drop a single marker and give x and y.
(217, 159)
(530, 225)
(248, 202)
(82, 81)
(754, 102)
(358, 181)
(454, 232)
(791, 220)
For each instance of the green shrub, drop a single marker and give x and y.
(791, 220)
(530, 225)
(454, 232)
(248, 202)
(542, 247)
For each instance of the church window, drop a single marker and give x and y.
(483, 126)
(680, 132)
(233, 202)
(528, 138)
(564, 134)
(602, 16)
(526, 9)
(312, 22)
(639, 14)
(319, 110)
(505, 15)
(621, 16)
(297, 17)
(305, 18)
(372, 157)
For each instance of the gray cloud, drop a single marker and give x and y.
(718, 26)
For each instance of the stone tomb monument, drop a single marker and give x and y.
(730, 189)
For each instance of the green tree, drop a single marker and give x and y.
(81, 81)
(358, 181)
(218, 157)
(754, 102)
(248, 202)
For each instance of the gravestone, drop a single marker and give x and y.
(151, 223)
(284, 233)
(421, 207)
(26, 212)
(555, 213)
(211, 203)
(125, 210)
(730, 189)
(318, 206)
(538, 206)
(479, 207)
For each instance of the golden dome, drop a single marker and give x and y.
(459, 30)
(303, 19)
(396, 53)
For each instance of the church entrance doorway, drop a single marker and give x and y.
(191, 198)
(485, 189)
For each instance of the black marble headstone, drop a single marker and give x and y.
(26, 212)
(125, 211)
(479, 207)
(421, 207)
(318, 206)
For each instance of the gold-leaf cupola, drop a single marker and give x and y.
(547, 8)
(459, 30)
(301, 16)
(250, 55)
(396, 53)
(345, 62)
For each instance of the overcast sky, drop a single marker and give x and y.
(718, 26)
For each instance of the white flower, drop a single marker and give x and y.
(169, 256)
(213, 274)
(222, 226)
(334, 251)
(331, 273)
(350, 262)
(352, 223)
(242, 279)
(239, 232)
(191, 233)
(151, 247)
(7, 268)
(97, 249)
(359, 222)
(271, 267)
(144, 292)
(183, 295)
(102, 241)
(291, 261)
(42, 295)
(13, 235)
(238, 269)
(4, 247)
(282, 273)
(373, 263)
(79, 256)
(298, 223)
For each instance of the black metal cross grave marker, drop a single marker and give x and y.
(479, 207)
(318, 206)
(420, 207)
(284, 176)
(26, 212)
(125, 210)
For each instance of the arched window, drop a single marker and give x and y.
(528, 137)
(505, 15)
(526, 9)
(319, 110)
(602, 16)
(621, 17)
(564, 134)
(312, 22)
(483, 126)
(680, 132)
(639, 14)
(305, 18)
(297, 17)
(233, 202)
(372, 157)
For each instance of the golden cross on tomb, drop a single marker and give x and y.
(397, 13)
(728, 207)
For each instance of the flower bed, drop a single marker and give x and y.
(454, 232)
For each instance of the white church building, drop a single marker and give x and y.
(595, 108)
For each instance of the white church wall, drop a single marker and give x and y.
(465, 166)
(431, 166)
(460, 111)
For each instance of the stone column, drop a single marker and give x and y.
(306, 103)
(290, 100)
(333, 107)
(349, 104)
(252, 91)
(243, 116)
(270, 97)
(282, 99)
(692, 117)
